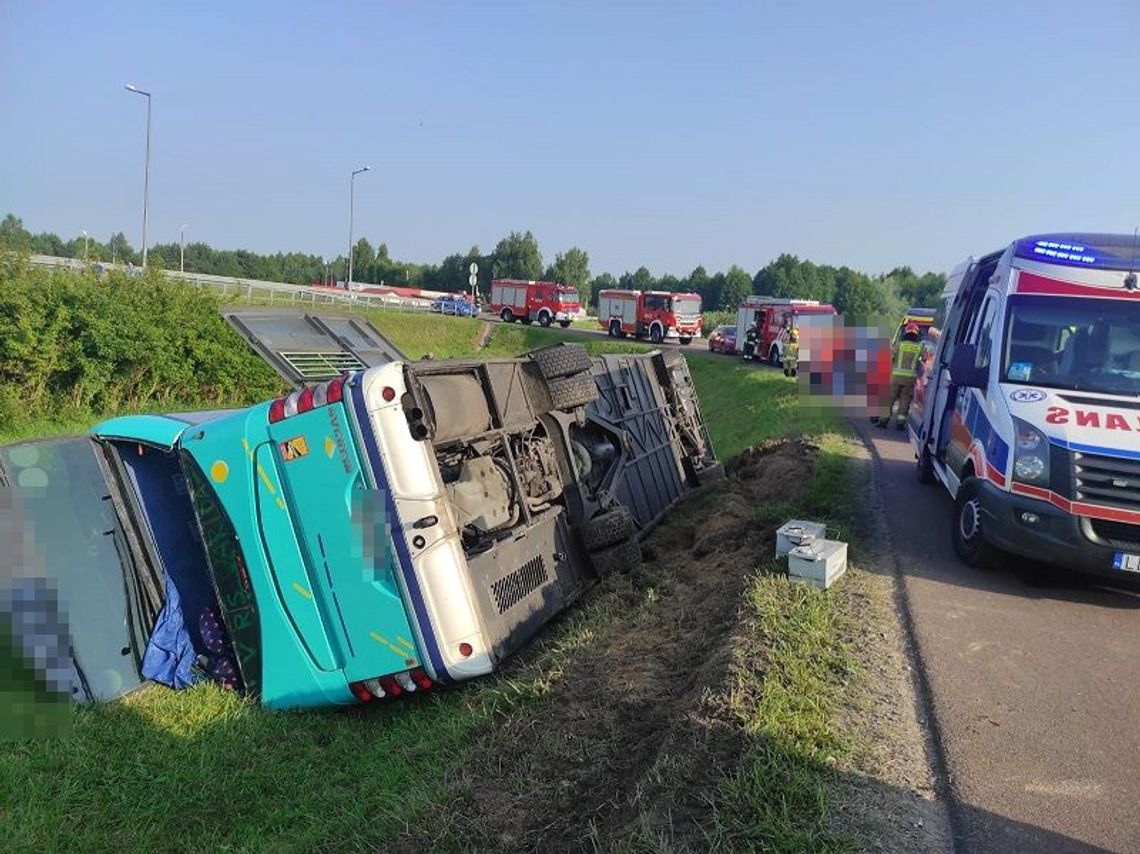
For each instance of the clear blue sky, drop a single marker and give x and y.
(866, 133)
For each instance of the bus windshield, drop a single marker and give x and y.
(1073, 343)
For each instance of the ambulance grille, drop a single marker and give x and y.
(511, 589)
(1109, 481)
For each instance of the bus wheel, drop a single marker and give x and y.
(966, 528)
(507, 316)
(544, 319)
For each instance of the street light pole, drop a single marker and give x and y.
(146, 175)
(182, 249)
(85, 245)
(351, 210)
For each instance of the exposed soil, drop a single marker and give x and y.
(625, 746)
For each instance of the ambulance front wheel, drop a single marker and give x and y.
(967, 529)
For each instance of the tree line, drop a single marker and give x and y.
(853, 293)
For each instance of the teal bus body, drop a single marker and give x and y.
(313, 548)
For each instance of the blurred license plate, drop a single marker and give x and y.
(1126, 562)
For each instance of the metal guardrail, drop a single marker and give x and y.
(260, 292)
(257, 291)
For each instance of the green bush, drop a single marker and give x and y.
(76, 343)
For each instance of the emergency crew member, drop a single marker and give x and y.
(904, 356)
(792, 352)
(750, 338)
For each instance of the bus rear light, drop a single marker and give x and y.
(305, 400)
(277, 410)
(335, 391)
(291, 404)
(373, 685)
(389, 394)
(421, 679)
(360, 691)
(465, 649)
(390, 686)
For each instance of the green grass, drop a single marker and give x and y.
(203, 769)
(792, 678)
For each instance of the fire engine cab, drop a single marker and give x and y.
(546, 302)
(776, 317)
(654, 314)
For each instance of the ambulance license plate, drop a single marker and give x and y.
(1126, 562)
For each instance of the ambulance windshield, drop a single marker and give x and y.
(1073, 343)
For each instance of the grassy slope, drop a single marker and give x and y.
(203, 768)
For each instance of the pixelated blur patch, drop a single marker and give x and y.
(372, 535)
(846, 367)
(35, 663)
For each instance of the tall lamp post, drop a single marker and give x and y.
(182, 249)
(146, 175)
(86, 243)
(351, 209)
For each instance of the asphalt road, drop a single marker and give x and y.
(1034, 689)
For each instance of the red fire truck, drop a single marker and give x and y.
(656, 314)
(775, 316)
(546, 302)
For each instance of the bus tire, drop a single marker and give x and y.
(572, 392)
(544, 319)
(620, 558)
(561, 360)
(507, 315)
(966, 528)
(607, 529)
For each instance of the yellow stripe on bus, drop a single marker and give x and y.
(302, 590)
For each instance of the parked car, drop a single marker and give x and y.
(460, 306)
(723, 340)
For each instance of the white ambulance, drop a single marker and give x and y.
(1031, 415)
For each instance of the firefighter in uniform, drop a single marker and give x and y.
(750, 338)
(904, 358)
(792, 352)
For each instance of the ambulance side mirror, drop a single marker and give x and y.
(962, 367)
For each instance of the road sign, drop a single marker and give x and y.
(473, 280)
(473, 269)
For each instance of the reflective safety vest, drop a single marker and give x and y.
(906, 357)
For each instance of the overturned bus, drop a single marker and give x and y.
(396, 526)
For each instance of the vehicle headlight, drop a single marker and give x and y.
(1030, 454)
